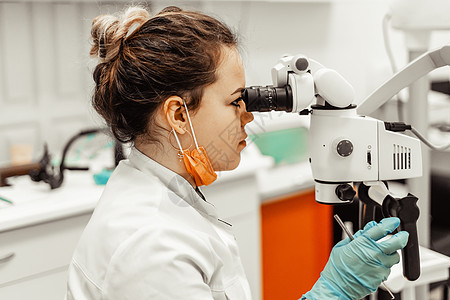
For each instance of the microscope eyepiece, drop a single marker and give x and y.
(267, 98)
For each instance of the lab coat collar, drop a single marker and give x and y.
(174, 182)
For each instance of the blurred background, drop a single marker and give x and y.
(45, 89)
(45, 78)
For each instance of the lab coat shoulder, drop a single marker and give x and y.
(145, 242)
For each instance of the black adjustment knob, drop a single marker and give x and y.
(301, 64)
(345, 192)
(344, 148)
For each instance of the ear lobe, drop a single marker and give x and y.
(173, 111)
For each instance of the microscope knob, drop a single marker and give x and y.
(345, 192)
(301, 63)
(344, 148)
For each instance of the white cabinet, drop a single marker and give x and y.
(46, 286)
(36, 259)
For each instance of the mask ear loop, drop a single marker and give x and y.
(181, 151)
(190, 124)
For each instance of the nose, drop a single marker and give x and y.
(246, 117)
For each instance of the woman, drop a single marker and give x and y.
(171, 85)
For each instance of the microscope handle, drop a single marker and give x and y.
(408, 212)
(411, 258)
(367, 206)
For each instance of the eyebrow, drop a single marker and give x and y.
(240, 89)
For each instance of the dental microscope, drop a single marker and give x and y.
(347, 147)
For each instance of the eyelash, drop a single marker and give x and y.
(236, 102)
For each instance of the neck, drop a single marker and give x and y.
(164, 154)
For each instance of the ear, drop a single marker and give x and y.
(174, 112)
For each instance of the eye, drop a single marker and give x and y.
(236, 102)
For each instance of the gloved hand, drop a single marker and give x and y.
(356, 268)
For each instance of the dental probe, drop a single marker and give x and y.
(350, 235)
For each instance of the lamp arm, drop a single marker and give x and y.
(416, 69)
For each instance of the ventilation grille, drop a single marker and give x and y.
(402, 157)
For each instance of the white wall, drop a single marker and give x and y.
(45, 82)
(343, 35)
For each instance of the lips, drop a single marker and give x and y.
(243, 139)
(243, 142)
(242, 145)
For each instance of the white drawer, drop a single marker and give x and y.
(35, 249)
(47, 286)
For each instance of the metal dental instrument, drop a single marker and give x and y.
(350, 235)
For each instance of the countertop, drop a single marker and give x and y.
(283, 180)
(36, 203)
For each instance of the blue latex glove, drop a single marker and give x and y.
(356, 268)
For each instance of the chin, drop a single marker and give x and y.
(227, 166)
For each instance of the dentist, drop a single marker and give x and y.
(170, 84)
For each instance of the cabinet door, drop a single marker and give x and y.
(296, 242)
(38, 250)
(47, 286)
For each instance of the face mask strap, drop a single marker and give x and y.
(180, 151)
(178, 141)
(190, 123)
(180, 148)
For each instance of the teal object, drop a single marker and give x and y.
(6, 200)
(102, 177)
(357, 267)
(286, 146)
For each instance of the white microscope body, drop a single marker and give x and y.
(346, 146)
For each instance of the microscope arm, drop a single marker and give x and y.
(416, 69)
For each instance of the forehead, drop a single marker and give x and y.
(230, 71)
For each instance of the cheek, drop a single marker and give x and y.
(224, 160)
(223, 129)
(221, 144)
(228, 130)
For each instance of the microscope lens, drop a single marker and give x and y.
(267, 98)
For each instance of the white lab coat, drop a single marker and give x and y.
(152, 236)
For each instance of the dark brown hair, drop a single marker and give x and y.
(144, 60)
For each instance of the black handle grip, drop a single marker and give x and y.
(408, 212)
(367, 206)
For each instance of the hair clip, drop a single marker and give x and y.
(101, 47)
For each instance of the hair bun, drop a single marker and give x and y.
(108, 31)
(170, 9)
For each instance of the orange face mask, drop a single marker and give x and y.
(198, 165)
(196, 161)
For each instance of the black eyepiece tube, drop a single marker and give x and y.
(267, 98)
